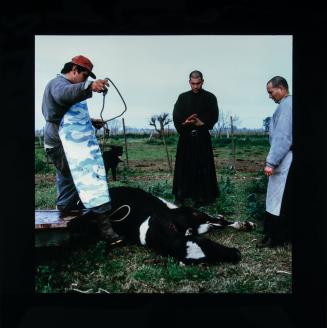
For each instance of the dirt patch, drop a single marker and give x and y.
(242, 165)
(149, 165)
(39, 178)
(149, 178)
(159, 166)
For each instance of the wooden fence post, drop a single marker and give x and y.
(233, 143)
(125, 142)
(168, 158)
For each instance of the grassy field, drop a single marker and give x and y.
(89, 267)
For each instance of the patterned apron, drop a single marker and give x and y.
(276, 185)
(84, 156)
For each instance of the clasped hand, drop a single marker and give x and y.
(193, 120)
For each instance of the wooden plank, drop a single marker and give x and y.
(52, 227)
(54, 219)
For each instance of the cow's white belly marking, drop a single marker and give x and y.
(193, 251)
(144, 227)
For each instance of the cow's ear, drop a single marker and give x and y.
(195, 213)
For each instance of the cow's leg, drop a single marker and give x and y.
(200, 249)
(165, 239)
(208, 224)
(221, 222)
(113, 172)
(195, 249)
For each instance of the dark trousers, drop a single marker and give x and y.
(280, 227)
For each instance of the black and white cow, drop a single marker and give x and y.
(145, 219)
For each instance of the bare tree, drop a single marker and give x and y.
(162, 120)
(236, 122)
(114, 126)
(223, 124)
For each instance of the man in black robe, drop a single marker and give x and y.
(195, 113)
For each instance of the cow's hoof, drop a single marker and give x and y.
(249, 225)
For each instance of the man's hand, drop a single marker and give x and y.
(268, 171)
(97, 123)
(99, 86)
(194, 120)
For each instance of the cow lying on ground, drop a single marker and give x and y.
(153, 222)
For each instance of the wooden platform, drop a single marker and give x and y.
(52, 227)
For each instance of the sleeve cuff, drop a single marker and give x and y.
(271, 165)
(87, 84)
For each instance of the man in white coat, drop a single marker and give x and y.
(276, 226)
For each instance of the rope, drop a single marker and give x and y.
(124, 217)
(105, 122)
(103, 102)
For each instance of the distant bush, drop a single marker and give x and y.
(252, 141)
(241, 141)
(130, 135)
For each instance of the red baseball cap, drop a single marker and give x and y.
(84, 62)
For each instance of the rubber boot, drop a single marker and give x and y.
(107, 232)
(273, 230)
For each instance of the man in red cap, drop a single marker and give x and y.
(84, 62)
(63, 97)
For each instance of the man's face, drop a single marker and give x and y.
(196, 84)
(79, 77)
(275, 93)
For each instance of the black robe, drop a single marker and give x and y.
(195, 175)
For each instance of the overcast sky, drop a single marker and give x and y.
(151, 71)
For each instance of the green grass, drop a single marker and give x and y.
(45, 195)
(41, 165)
(92, 268)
